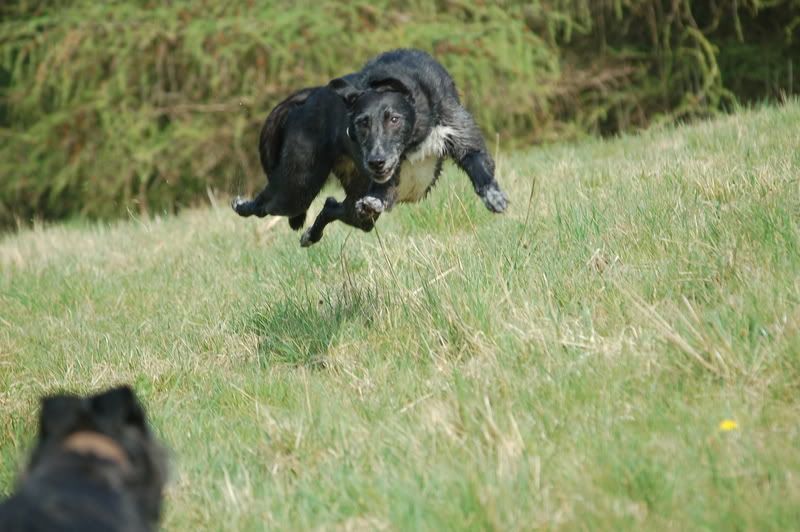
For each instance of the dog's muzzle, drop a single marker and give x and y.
(380, 179)
(386, 174)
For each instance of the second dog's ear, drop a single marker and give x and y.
(60, 414)
(346, 90)
(119, 406)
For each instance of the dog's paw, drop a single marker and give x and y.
(494, 198)
(369, 207)
(238, 204)
(307, 239)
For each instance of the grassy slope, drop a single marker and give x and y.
(455, 370)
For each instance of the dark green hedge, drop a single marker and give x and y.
(108, 107)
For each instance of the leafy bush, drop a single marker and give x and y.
(107, 107)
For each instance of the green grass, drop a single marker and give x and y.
(566, 365)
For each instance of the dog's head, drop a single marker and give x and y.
(111, 426)
(381, 122)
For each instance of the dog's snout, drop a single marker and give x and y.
(376, 164)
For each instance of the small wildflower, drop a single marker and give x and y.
(727, 425)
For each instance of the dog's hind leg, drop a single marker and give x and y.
(331, 211)
(292, 187)
(334, 210)
(466, 146)
(296, 222)
(258, 206)
(290, 203)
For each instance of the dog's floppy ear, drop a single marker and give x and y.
(60, 414)
(346, 90)
(392, 84)
(119, 407)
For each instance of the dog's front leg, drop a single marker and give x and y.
(480, 168)
(333, 210)
(380, 197)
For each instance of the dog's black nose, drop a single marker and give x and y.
(376, 165)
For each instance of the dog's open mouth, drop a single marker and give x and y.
(384, 176)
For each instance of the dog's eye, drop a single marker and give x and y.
(394, 119)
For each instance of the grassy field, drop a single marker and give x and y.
(566, 365)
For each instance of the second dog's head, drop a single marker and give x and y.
(381, 122)
(112, 427)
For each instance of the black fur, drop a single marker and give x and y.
(66, 488)
(365, 128)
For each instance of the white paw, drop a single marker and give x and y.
(494, 198)
(237, 202)
(305, 238)
(369, 207)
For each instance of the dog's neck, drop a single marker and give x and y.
(99, 445)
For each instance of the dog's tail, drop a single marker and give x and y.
(271, 140)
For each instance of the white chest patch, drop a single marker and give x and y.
(415, 179)
(419, 169)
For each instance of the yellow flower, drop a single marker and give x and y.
(728, 425)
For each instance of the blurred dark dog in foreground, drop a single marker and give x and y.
(96, 466)
(383, 131)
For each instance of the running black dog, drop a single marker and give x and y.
(95, 467)
(383, 132)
